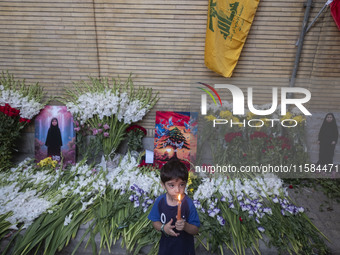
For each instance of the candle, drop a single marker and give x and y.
(179, 204)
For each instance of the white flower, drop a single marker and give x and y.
(106, 103)
(301, 209)
(268, 211)
(28, 108)
(31, 206)
(261, 229)
(68, 219)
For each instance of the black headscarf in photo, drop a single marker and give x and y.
(328, 133)
(53, 139)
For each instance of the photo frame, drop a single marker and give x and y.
(55, 141)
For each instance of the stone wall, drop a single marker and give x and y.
(162, 43)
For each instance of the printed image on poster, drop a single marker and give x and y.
(175, 135)
(54, 135)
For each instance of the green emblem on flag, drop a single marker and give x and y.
(223, 21)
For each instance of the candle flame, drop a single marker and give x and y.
(179, 197)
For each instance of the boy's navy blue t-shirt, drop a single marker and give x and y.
(184, 243)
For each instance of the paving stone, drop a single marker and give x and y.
(326, 221)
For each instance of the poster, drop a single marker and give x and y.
(54, 135)
(175, 136)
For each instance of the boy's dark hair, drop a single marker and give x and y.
(174, 169)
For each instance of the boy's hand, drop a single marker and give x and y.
(180, 224)
(169, 229)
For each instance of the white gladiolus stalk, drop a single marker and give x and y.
(19, 103)
(26, 99)
(114, 107)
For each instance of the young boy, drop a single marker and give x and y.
(177, 235)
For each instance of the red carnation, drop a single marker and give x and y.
(24, 120)
(142, 163)
(135, 127)
(9, 111)
(285, 146)
(230, 136)
(258, 134)
(283, 139)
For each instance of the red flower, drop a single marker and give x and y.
(244, 154)
(14, 112)
(290, 186)
(24, 120)
(230, 136)
(142, 163)
(258, 134)
(135, 127)
(240, 219)
(283, 139)
(9, 111)
(285, 146)
(285, 143)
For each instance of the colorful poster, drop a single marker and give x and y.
(175, 136)
(54, 135)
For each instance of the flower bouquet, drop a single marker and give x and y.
(108, 110)
(19, 103)
(135, 134)
(252, 139)
(242, 211)
(236, 214)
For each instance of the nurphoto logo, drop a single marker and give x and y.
(239, 104)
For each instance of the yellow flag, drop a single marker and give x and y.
(228, 25)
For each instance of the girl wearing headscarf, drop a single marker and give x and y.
(53, 140)
(328, 137)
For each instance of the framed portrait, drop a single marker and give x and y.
(55, 135)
